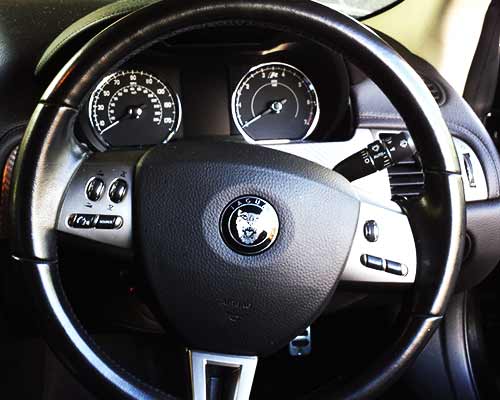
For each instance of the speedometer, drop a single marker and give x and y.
(130, 108)
(275, 102)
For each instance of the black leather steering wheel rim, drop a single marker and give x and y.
(49, 156)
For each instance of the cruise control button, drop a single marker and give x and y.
(95, 189)
(109, 222)
(372, 262)
(396, 268)
(118, 190)
(82, 221)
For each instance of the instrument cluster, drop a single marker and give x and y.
(279, 93)
(131, 101)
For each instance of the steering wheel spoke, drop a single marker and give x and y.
(98, 202)
(214, 376)
(383, 250)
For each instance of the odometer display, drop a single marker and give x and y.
(131, 108)
(275, 102)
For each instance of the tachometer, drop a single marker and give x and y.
(130, 108)
(275, 102)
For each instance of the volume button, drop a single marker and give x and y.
(118, 191)
(95, 189)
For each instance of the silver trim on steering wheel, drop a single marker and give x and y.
(243, 365)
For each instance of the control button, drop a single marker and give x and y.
(95, 189)
(469, 170)
(396, 268)
(109, 222)
(118, 190)
(372, 262)
(82, 221)
(370, 231)
(379, 154)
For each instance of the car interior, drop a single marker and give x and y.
(266, 199)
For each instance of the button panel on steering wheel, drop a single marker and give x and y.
(108, 218)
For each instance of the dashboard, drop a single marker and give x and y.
(270, 92)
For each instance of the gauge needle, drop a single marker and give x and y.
(131, 112)
(274, 108)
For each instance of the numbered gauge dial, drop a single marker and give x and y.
(131, 108)
(275, 102)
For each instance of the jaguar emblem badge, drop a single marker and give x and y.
(249, 225)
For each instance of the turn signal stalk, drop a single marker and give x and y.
(377, 156)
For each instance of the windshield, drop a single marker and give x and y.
(359, 8)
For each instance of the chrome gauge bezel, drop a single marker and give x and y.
(234, 98)
(173, 94)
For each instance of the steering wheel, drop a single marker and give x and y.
(231, 302)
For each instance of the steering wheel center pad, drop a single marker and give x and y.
(220, 300)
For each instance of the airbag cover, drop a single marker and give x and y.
(218, 299)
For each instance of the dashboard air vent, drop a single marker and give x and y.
(406, 177)
(436, 90)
